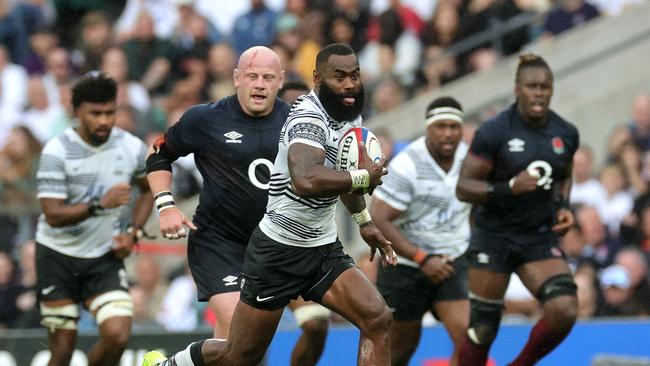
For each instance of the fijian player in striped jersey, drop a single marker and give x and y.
(295, 251)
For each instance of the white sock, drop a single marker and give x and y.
(181, 358)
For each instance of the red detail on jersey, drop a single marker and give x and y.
(558, 145)
(556, 251)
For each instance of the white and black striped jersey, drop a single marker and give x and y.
(433, 218)
(289, 218)
(75, 171)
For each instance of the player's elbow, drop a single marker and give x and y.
(462, 193)
(305, 187)
(54, 221)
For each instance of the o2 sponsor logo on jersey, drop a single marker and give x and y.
(253, 177)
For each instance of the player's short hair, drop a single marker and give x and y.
(444, 108)
(338, 49)
(292, 85)
(94, 87)
(531, 60)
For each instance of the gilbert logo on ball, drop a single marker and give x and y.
(349, 152)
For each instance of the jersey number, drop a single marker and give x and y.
(253, 177)
(544, 171)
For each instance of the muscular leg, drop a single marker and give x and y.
(113, 337)
(356, 299)
(487, 289)
(61, 343)
(311, 343)
(223, 306)
(559, 303)
(455, 316)
(404, 340)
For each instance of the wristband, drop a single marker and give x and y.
(95, 207)
(420, 257)
(362, 218)
(560, 202)
(164, 200)
(499, 190)
(360, 179)
(136, 232)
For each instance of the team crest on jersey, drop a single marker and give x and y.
(558, 145)
(233, 137)
(516, 145)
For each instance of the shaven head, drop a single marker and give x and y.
(258, 77)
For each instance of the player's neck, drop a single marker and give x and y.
(532, 121)
(444, 162)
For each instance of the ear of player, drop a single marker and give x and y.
(359, 149)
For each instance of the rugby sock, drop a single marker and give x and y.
(472, 354)
(543, 339)
(195, 353)
(184, 357)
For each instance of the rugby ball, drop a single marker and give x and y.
(349, 150)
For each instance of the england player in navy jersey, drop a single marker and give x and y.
(295, 250)
(234, 141)
(518, 173)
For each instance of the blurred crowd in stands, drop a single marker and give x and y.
(167, 55)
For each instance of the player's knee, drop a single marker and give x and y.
(378, 319)
(111, 304)
(60, 317)
(315, 328)
(485, 317)
(561, 312)
(115, 334)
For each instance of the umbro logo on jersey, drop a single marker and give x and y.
(483, 258)
(516, 145)
(233, 137)
(230, 280)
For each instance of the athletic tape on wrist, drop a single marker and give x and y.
(362, 217)
(360, 179)
(164, 200)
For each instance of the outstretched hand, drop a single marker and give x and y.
(171, 224)
(377, 242)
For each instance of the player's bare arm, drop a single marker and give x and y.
(125, 240)
(473, 185)
(435, 267)
(59, 214)
(159, 176)
(311, 178)
(565, 219)
(356, 205)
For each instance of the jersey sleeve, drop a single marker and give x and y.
(310, 131)
(138, 151)
(486, 141)
(189, 134)
(399, 184)
(50, 177)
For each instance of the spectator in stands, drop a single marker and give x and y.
(443, 29)
(438, 67)
(221, 62)
(115, 64)
(13, 93)
(619, 136)
(626, 289)
(58, 67)
(632, 165)
(586, 189)
(569, 14)
(18, 160)
(600, 247)
(96, 38)
(301, 51)
(148, 279)
(350, 16)
(640, 125)
(10, 289)
(179, 309)
(387, 94)
(26, 302)
(42, 117)
(613, 7)
(163, 15)
(588, 291)
(254, 28)
(41, 42)
(618, 202)
(13, 32)
(148, 57)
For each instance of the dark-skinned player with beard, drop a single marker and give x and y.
(518, 174)
(295, 250)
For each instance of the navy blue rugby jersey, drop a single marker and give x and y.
(512, 146)
(234, 153)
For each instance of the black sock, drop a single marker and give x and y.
(195, 353)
